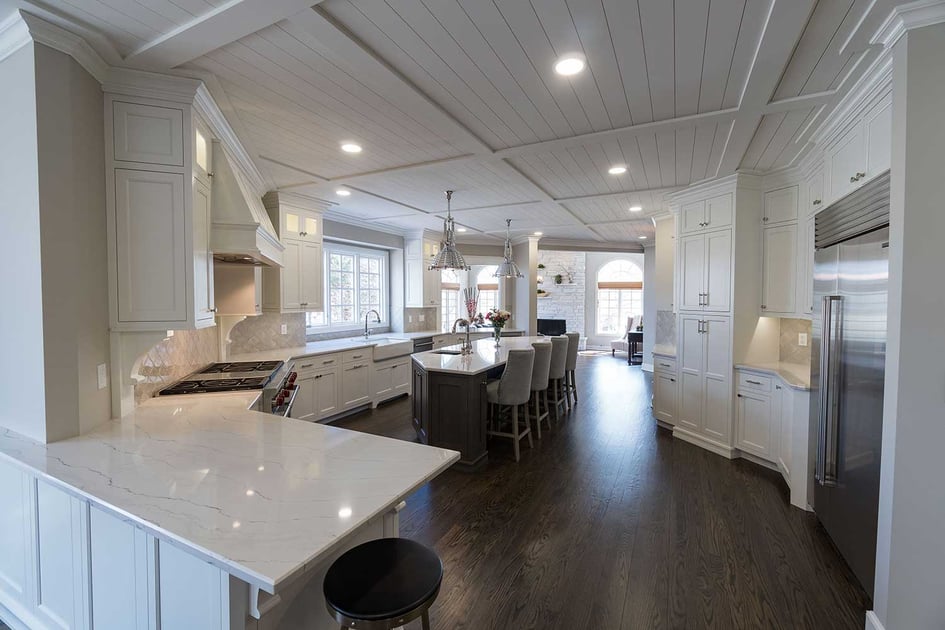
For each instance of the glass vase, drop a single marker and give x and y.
(497, 333)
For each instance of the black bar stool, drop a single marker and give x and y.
(383, 584)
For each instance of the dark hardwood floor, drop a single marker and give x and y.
(611, 523)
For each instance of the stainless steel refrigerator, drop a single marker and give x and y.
(848, 356)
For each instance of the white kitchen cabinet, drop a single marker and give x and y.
(780, 206)
(203, 153)
(147, 134)
(756, 426)
(355, 385)
(814, 200)
(844, 163)
(193, 592)
(706, 272)
(237, 289)
(327, 393)
(705, 367)
(421, 285)
(304, 406)
(391, 378)
(711, 214)
(664, 390)
(16, 558)
(806, 279)
(123, 564)
(297, 287)
(861, 152)
(779, 270)
(784, 424)
(158, 201)
(319, 383)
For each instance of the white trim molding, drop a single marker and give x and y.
(873, 622)
(906, 17)
(14, 34)
(22, 27)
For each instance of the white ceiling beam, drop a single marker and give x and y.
(782, 30)
(653, 191)
(215, 28)
(804, 101)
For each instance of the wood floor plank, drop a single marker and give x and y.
(608, 522)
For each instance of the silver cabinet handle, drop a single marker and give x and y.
(860, 176)
(739, 395)
(357, 356)
(752, 382)
(672, 380)
(764, 219)
(777, 387)
(665, 365)
(307, 365)
(328, 362)
(817, 202)
(212, 310)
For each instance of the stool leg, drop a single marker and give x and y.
(544, 397)
(567, 392)
(425, 620)
(574, 385)
(537, 414)
(528, 426)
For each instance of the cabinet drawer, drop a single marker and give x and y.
(748, 380)
(354, 356)
(321, 362)
(664, 364)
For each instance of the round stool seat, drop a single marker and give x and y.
(392, 579)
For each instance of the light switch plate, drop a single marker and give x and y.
(422, 317)
(285, 329)
(409, 319)
(802, 339)
(102, 376)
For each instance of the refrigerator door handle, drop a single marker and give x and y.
(826, 465)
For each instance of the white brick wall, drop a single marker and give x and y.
(564, 301)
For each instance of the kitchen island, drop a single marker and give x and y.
(449, 395)
(194, 512)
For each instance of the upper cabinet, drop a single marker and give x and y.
(421, 285)
(814, 185)
(160, 262)
(860, 152)
(710, 214)
(298, 286)
(780, 206)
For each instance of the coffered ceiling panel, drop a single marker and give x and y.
(616, 208)
(627, 231)
(526, 218)
(490, 64)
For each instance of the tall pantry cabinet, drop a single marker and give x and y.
(717, 235)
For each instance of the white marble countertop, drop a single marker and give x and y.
(259, 496)
(794, 375)
(664, 350)
(485, 356)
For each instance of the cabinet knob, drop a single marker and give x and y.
(763, 307)
(212, 310)
(739, 395)
(764, 219)
(817, 202)
(673, 380)
(777, 387)
(852, 179)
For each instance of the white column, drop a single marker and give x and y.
(910, 566)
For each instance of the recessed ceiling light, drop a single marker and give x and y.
(569, 64)
(344, 512)
(538, 233)
(250, 493)
(617, 170)
(343, 193)
(350, 147)
(636, 208)
(642, 238)
(460, 229)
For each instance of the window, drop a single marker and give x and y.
(488, 286)
(355, 283)
(619, 296)
(449, 298)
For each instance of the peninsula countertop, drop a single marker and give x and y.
(260, 496)
(484, 357)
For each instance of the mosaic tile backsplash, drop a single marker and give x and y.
(174, 358)
(264, 332)
(790, 350)
(430, 319)
(665, 328)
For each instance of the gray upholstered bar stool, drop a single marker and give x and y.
(540, 383)
(559, 358)
(510, 392)
(570, 365)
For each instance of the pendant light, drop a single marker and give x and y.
(449, 257)
(508, 268)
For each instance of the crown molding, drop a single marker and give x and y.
(22, 27)
(208, 110)
(337, 217)
(278, 198)
(875, 84)
(907, 17)
(151, 85)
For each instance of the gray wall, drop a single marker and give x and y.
(910, 555)
(649, 306)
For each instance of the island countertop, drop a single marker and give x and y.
(261, 497)
(484, 357)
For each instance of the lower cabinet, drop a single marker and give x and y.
(757, 429)
(390, 379)
(664, 390)
(705, 368)
(319, 394)
(355, 385)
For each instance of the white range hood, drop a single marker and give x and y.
(241, 230)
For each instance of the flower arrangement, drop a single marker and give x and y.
(498, 317)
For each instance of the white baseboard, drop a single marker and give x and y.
(647, 367)
(719, 449)
(873, 622)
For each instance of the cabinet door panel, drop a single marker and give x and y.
(718, 212)
(401, 377)
(145, 133)
(754, 423)
(807, 275)
(328, 391)
(691, 369)
(780, 205)
(304, 406)
(291, 282)
(718, 378)
(310, 272)
(718, 283)
(692, 274)
(692, 217)
(779, 269)
(119, 572)
(355, 385)
(191, 590)
(413, 281)
(815, 192)
(785, 431)
(664, 397)
(878, 125)
(60, 555)
(151, 224)
(383, 380)
(844, 160)
(203, 257)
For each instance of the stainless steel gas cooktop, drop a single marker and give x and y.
(226, 377)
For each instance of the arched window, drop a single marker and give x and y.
(488, 286)
(619, 296)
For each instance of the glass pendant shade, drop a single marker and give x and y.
(448, 257)
(507, 268)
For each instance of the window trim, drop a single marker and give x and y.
(328, 247)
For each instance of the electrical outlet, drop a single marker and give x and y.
(102, 376)
(409, 319)
(422, 317)
(285, 329)
(802, 339)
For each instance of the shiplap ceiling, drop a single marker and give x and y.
(461, 94)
